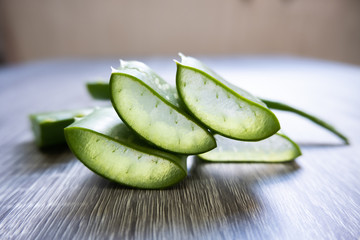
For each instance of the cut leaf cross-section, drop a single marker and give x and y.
(109, 148)
(222, 107)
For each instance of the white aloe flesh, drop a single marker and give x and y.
(150, 106)
(277, 148)
(221, 106)
(109, 148)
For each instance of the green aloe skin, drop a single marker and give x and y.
(151, 107)
(48, 127)
(316, 120)
(103, 143)
(275, 149)
(99, 89)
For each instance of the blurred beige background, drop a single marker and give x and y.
(42, 29)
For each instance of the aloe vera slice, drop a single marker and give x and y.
(99, 90)
(277, 148)
(150, 106)
(48, 127)
(221, 106)
(316, 120)
(103, 143)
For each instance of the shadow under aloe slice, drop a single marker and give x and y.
(103, 143)
(151, 107)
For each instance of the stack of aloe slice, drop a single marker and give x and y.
(143, 140)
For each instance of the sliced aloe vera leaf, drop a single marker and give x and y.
(316, 120)
(103, 143)
(99, 90)
(48, 127)
(277, 148)
(150, 106)
(221, 106)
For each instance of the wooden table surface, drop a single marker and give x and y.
(51, 195)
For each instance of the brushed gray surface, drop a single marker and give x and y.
(51, 195)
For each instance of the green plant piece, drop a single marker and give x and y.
(48, 127)
(99, 90)
(103, 143)
(221, 106)
(150, 106)
(285, 107)
(277, 148)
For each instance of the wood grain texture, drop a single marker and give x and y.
(51, 195)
